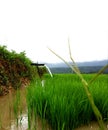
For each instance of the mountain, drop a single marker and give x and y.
(85, 67)
(93, 63)
(90, 63)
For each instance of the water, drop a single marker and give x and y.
(7, 116)
(48, 70)
(91, 126)
(22, 123)
(8, 120)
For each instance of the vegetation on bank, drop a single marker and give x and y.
(63, 101)
(14, 69)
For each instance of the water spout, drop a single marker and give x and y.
(48, 70)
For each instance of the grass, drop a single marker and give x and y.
(63, 101)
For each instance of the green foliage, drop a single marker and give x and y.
(63, 101)
(17, 105)
(14, 67)
(85, 84)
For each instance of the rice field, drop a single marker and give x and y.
(63, 103)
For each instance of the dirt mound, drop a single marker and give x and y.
(15, 69)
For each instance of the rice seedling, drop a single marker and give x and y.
(85, 85)
(64, 103)
(17, 106)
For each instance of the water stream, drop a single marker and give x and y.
(48, 70)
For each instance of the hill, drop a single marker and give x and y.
(85, 67)
(90, 63)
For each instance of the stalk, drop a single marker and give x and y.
(85, 85)
(94, 107)
(100, 71)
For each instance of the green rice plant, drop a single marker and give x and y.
(0, 122)
(64, 103)
(35, 105)
(86, 85)
(100, 95)
(61, 103)
(67, 101)
(32, 113)
(17, 107)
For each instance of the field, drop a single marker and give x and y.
(63, 103)
(60, 101)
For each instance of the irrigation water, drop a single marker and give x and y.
(8, 120)
(48, 69)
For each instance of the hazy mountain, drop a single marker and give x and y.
(85, 67)
(80, 64)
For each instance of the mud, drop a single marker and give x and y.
(91, 126)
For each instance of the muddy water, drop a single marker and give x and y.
(91, 126)
(7, 117)
(8, 120)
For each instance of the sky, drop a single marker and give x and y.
(34, 25)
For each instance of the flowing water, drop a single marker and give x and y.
(8, 120)
(49, 71)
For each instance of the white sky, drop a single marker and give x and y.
(32, 25)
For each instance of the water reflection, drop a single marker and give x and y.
(22, 123)
(7, 117)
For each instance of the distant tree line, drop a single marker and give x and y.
(83, 69)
